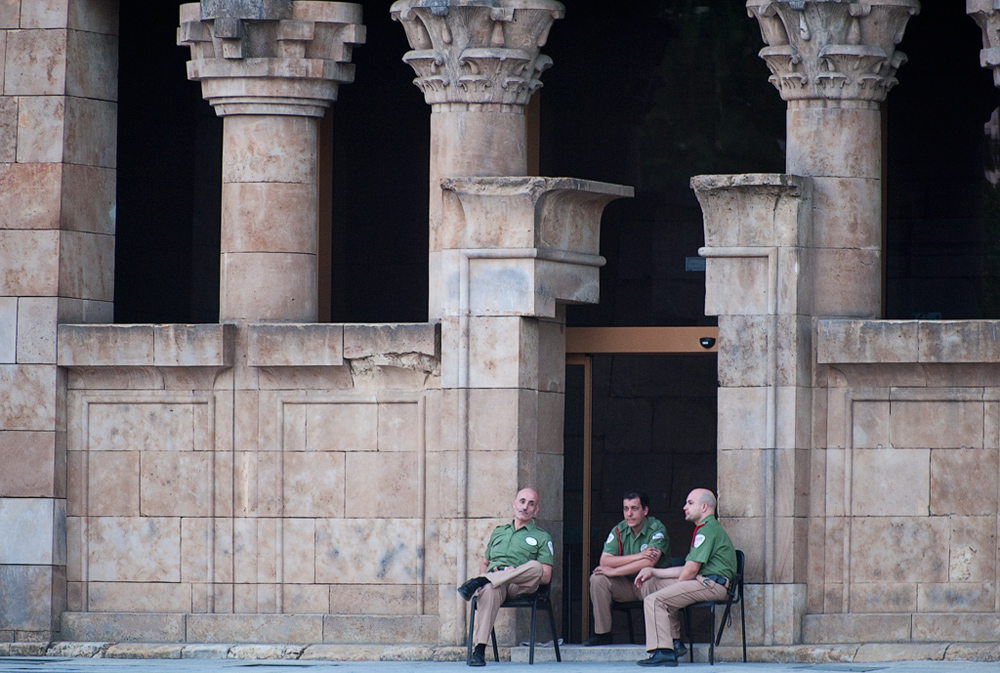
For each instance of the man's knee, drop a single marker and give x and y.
(599, 582)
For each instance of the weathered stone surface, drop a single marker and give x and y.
(30, 465)
(380, 629)
(123, 627)
(362, 341)
(286, 345)
(249, 629)
(855, 628)
(143, 651)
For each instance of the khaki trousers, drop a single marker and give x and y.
(661, 607)
(524, 579)
(604, 589)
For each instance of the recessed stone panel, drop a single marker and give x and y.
(954, 491)
(342, 427)
(112, 483)
(368, 551)
(176, 483)
(870, 424)
(919, 544)
(940, 424)
(313, 483)
(890, 482)
(145, 426)
(132, 549)
(382, 485)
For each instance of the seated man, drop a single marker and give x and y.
(518, 560)
(639, 541)
(709, 567)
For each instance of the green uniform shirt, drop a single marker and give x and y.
(509, 547)
(712, 548)
(653, 534)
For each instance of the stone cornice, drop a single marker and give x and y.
(987, 15)
(831, 49)
(284, 58)
(477, 51)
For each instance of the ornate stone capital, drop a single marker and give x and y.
(477, 51)
(987, 15)
(275, 57)
(833, 49)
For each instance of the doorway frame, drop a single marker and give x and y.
(582, 344)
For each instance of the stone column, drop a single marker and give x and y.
(270, 69)
(477, 63)
(58, 117)
(834, 62)
(987, 16)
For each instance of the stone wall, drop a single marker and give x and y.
(202, 509)
(909, 468)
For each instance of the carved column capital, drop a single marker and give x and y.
(477, 51)
(987, 15)
(276, 57)
(833, 49)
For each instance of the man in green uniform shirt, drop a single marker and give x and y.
(518, 560)
(639, 541)
(709, 568)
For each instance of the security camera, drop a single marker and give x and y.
(706, 342)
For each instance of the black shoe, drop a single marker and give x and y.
(472, 586)
(679, 648)
(598, 639)
(660, 658)
(478, 655)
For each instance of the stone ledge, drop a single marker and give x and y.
(908, 341)
(805, 654)
(209, 345)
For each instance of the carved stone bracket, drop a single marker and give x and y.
(987, 15)
(831, 49)
(477, 51)
(275, 57)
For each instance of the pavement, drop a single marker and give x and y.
(100, 665)
(109, 658)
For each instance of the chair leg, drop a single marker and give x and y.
(743, 623)
(531, 645)
(687, 629)
(496, 652)
(472, 626)
(711, 643)
(555, 638)
(631, 632)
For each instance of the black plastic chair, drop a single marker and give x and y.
(539, 600)
(734, 594)
(627, 607)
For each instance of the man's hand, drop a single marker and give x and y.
(651, 553)
(642, 576)
(601, 570)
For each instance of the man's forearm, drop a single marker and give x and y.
(628, 568)
(611, 561)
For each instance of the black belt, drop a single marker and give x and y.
(493, 570)
(718, 579)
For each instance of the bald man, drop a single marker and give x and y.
(708, 569)
(518, 560)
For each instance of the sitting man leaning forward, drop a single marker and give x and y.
(639, 541)
(518, 560)
(710, 566)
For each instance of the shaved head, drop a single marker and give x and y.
(700, 503)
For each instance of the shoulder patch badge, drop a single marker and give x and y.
(552, 549)
(657, 536)
(698, 540)
(611, 536)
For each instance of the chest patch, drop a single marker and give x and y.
(698, 540)
(643, 547)
(532, 541)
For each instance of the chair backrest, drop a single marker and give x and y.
(736, 586)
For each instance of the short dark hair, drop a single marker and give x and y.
(632, 495)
